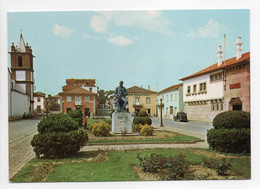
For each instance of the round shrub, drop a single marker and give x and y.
(57, 123)
(142, 120)
(137, 128)
(77, 116)
(101, 129)
(146, 130)
(232, 120)
(229, 140)
(58, 144)
(142, 114)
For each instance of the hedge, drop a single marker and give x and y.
(142, 120)
(142, 114)
(77, 116)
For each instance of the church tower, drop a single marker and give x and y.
(22, 68)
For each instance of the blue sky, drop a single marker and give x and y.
(138, 47)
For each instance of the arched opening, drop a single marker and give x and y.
(20, 61)
(235, 104)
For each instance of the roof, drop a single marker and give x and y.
(39, 94)
(136, 89)
(245, 58)
(21, 45)
(171, 88)
(77, 91)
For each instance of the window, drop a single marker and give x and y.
(68, 109)
(175, 97)
(213, 106)
(137, 99)
(86, 98)
(171, 109)
(194, 88)
(216, 77)
(148, 100)
(171, 97)
(68, 98)
(203, 87)
(20, 61)
(78, 98)
(38, 99)
(188, 89)
(166, 98)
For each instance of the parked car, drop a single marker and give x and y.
(181, 116)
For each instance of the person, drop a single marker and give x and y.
(120, 97)
(85, 122)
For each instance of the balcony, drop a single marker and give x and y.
(137, 104)
(78, 103)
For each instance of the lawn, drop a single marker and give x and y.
(112, 166)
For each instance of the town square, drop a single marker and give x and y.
(129, 96)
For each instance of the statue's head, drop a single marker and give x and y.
(121, 83)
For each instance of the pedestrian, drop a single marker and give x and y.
(85, 122)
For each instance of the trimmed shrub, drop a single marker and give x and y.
(57, 123)
(109, 121)
(229, 140)
(232, 120)
(220, 165)
(137, 128)
(100, 129)
(58, 144)
(142, 114)
(142, 120)
(146, 130)
(77, 116)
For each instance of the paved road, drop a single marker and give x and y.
(20, 150)
(198, 129)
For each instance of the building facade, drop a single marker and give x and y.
(172, 99)
(140, 99)
(22, 69)
(220, 87)
(39, 102)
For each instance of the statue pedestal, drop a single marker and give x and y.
(121, 121)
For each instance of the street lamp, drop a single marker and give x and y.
(47, 99)
(161, 112)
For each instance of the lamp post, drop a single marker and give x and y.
(161, 112)
(47, 99)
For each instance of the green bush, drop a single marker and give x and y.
(232, 120)
(142, 120)
(146, 130)
(109, 121)
(77, 116)
(58, 144)
(57, 123)
(100, 129)
(220, 165)
(137, 128)
(142, 114)
(229, 140)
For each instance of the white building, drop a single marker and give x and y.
(39, 102)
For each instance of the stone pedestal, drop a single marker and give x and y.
(121, 121)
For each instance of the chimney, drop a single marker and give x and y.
(239, 47)
(219, 55)
(149, 87)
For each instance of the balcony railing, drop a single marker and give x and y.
(137, 104)
(78, 103)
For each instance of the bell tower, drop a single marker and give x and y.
(22, 68)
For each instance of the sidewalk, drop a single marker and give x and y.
(149, 146)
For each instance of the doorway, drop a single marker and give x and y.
(235, 104)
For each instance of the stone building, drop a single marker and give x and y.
(140, 99)
(172, 99)
(220, 87)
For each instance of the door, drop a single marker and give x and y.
(86, 111)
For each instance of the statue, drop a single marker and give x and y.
(120, 98)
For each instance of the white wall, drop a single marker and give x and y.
(20, 75)
(36, 103)
(20, 103)
(20, 87)
(214, 90)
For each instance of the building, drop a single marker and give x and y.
(22, 69)
(172, 99)
(110, 102)
(39, 102)
(140, 99)
(75, 96)
(18, 100)
(220, 87)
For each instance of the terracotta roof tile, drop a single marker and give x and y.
(171, 88)
(77, 91)
(215, 67)
(136, 89)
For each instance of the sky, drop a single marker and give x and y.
(142, 48)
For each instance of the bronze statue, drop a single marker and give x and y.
(120, 98)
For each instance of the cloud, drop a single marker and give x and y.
(211, 29)
(62, 31)
(86, 36)
(120, 40)
(150, 20)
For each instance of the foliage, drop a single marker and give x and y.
(170, 168)
(232, 120)
(109, 121)
(57, 123)
(137, 128)
(58, 144)
(100, 129)
(220, 165)
(146, 130)
(142, 114)
(229, 140)
(77, 116)
(142, 120)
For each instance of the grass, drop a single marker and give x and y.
(117, 168)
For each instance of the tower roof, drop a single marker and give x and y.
(21, 44)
